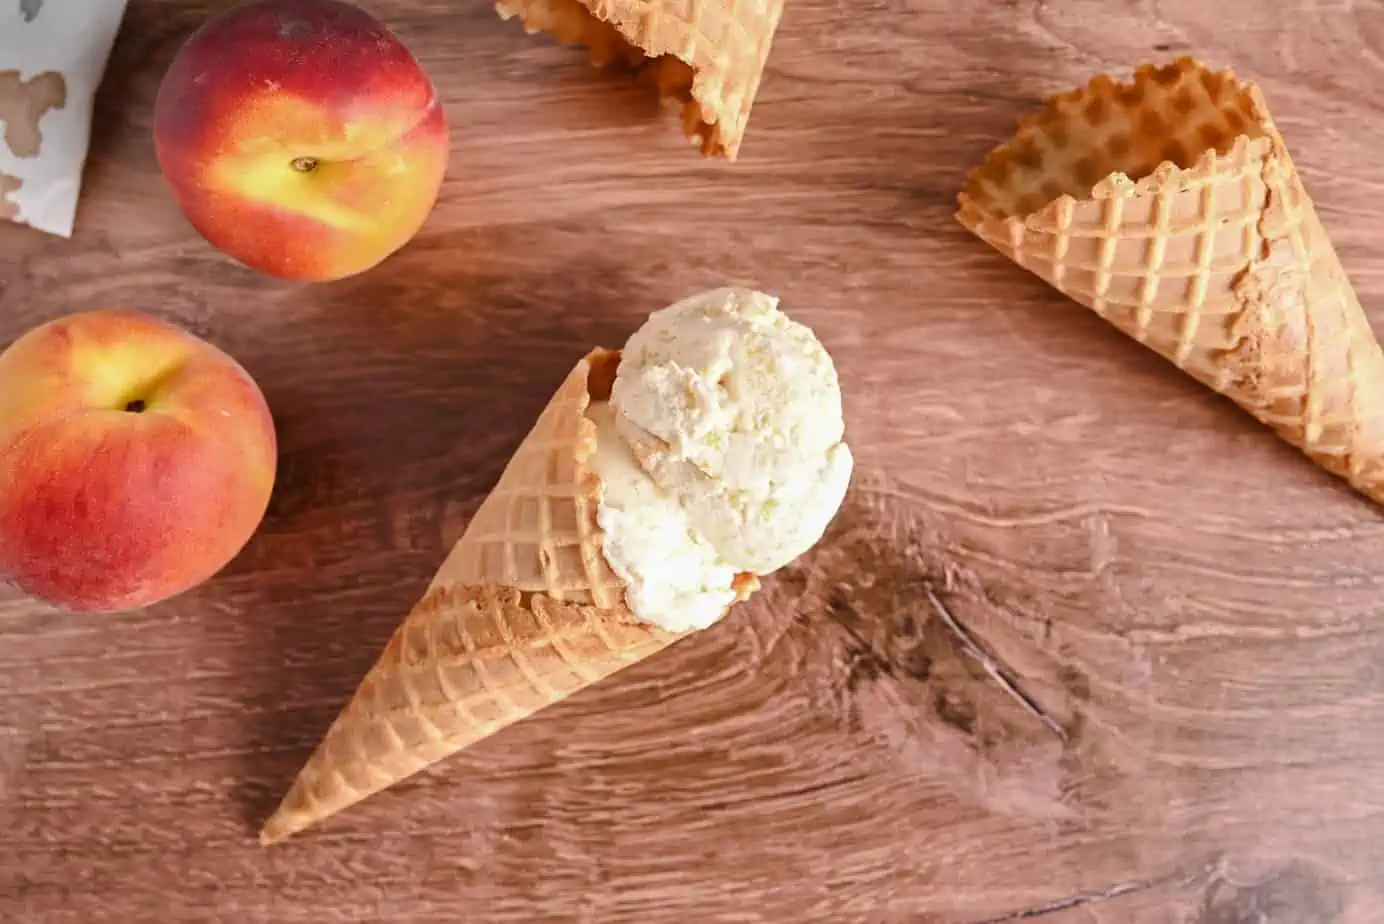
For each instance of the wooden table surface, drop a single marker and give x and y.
(1193, 607)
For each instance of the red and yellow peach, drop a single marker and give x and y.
(136, 460)
(301, 138)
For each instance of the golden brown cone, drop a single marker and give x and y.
(524, 612)
(1169, 205)
(466, 662)
(707, 55)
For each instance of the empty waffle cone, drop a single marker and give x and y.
(708, 55)
(524, 612)
(1169, 206)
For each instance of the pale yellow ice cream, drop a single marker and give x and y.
(674, 577)
(733, 412)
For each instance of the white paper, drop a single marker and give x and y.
(53, 54)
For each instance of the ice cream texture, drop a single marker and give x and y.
(673, 576)
(722, 450)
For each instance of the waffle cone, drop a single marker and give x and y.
(707, 56)
(1169, 206)
(524, 612)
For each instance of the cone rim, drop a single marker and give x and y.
(724, 130)
(1166, 177)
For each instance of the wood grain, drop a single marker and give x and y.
(1191, 602)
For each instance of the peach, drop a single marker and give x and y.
(301, 138)
(136, 460)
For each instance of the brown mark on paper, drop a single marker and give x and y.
(9, 211)
(23, 104)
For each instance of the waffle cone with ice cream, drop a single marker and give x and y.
(576, 565)
(707, 56)
(1169, 205)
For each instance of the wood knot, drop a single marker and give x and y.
(1294, 893)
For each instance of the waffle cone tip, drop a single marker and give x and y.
(524, 612)
(466, 663)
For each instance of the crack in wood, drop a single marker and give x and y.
(1075, 901)
(998, 672)
(1099, 896)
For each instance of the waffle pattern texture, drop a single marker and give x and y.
(536, 531)
(524, 613)
(709, 55)
(466, 663)
(1169, 206)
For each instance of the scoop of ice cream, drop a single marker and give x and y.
(673, 576)
(734, 411)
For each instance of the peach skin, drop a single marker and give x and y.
(136, 461)
(301, 138)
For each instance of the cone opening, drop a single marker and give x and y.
(1178, 114)
(600, 376)
(571, 22)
